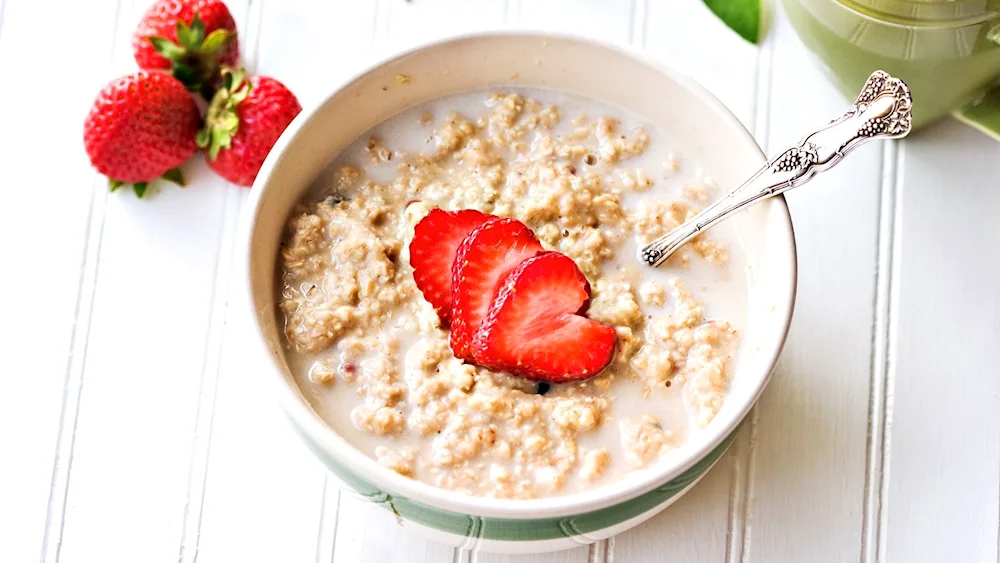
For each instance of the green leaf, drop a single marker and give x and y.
(221, 119)
(191, 36)
(742, 16)
(229, 122)
(233, 81)
(185, 36)
(226, 82)
(140, 189)
(202, 138)
(198, 29)
(994, 34)
(216, 42)
(166, 47)
(115, 184)
(174, 175)
(220, 140)
(241, 94)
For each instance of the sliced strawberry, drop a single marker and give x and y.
(534, 328)
(485, 258)
(436, 239)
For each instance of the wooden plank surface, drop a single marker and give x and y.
(143, 374)
(51, 211)
(944, 398)
(260, 482)
(139, 433)
(813, 420)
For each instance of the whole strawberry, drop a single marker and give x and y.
(243, 122)
(192, 39)
(142, 126)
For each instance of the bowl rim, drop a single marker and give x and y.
(314, 428)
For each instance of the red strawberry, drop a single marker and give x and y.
(535, 329)
(142, 126)
(244, 120)
(190, 38)
(436, 239)
(485, 257)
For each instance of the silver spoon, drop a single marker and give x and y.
(882, 111)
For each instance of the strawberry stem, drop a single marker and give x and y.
(194, 57)
(222, 121)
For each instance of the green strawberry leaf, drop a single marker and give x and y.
(229, 121)
(203, 138)
(191, 36)
(221, 120)
(241, 94)
(174, 175)
(185, 37)
(140, 188)
(170, 50)
(115, 184)
(221, 139)
(198, 27)
(742, 16)
(232, 78)
(216, 42)
(194, 57)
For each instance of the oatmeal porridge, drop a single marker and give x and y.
(592, 182)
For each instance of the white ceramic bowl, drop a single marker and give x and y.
(708, 133)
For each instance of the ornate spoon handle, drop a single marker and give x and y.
(882, 111)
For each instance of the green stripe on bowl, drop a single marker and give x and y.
(506, 529)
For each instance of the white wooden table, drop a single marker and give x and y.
(132, 430)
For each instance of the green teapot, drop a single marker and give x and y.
(947, 51)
